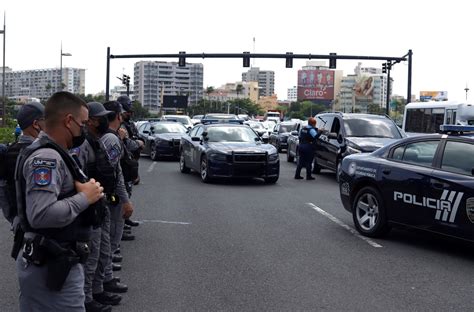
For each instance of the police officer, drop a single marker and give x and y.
(134, 146)
(95, 158)
(307, 138)
(31, 121)
(55, 211)
(124, 209)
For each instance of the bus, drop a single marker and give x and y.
(426, 117)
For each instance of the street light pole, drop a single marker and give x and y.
(4, 121)
(61, 67)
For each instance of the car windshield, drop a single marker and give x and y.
(371, 127)
(168, 128)
(287, 128)
(231, 134)
(183, 120)
(256, 125)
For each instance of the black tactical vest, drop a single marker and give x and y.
(102, 170)
(80, 228)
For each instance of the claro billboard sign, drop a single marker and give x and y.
(315, 84)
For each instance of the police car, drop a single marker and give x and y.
(426, 182)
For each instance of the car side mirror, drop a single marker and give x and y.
(152, 129)
(294, 132)
(332, 136)
(340, 139)
(265, 139)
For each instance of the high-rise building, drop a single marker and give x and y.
(265, 79)
(150, 77)
(292, 94)
(365, 88)
(42, 83)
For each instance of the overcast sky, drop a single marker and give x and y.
(438, 32)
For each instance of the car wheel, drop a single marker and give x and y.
(289, 157)
(153, 152)
(368, 213)
(271, 180)
(204, 170)
(182, 163)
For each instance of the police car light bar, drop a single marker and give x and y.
(456, 128)
(214, 121)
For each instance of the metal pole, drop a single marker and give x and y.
(107, 76)
(61, 68)
(4, 121)
(387, 104)
(410, 53)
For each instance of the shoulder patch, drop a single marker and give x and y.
(75, 150)
(42, 176)
(44, 163)
(114, 152)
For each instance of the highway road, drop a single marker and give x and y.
(247, 246)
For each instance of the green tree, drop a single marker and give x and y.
(139, 112)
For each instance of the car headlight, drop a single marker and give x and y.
(273, 157)
(353, 150)
(218, 157)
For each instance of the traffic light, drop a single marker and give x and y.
(127, 80)
(182, 59)
(384, 68)
(332, 61)
(246, 60)
(124, 79)
(289, 60)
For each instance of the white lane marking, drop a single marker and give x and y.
(339, 222)
(161, 221)
(150, 169)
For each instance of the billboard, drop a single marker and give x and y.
(433, 96)
(315, 84)
(364, 88)
(175, 101)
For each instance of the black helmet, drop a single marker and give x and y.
(126, 103)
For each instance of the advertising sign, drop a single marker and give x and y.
(364, 87)
(315, 84)
(433, 96)
(175, 101)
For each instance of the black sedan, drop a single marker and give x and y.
(228, 151)
(280, 133)
(162, 138)
(424, 182)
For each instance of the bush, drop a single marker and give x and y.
(7, 135)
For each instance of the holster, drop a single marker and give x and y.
(18, 239)
(95, 214)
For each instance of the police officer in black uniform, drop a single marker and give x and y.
(56, 208)
(307, 138)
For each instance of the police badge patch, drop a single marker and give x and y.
(42, 176)
(114, 152)
(470, 209)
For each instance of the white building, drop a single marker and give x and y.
(265, 79)
(292, 94)
(150, 77)
(42, 83)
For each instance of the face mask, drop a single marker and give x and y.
(79, 139)
(103, 125)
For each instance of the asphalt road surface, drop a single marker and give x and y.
(247, 246)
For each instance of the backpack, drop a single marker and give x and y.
(8, 160)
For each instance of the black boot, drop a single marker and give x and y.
(95, 306)
(114, 286)
(131, 222)
(107, 298)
